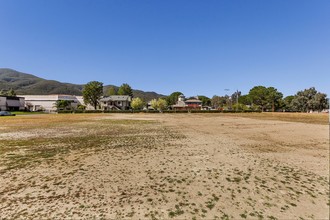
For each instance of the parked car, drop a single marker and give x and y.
(5, 113)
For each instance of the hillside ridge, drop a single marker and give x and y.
(29, 84)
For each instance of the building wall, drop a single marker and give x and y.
(47, 102)
(81, 101)
(123, 105)
(22, 103)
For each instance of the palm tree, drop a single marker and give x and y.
(63, 104)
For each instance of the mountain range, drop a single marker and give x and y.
(28, 84)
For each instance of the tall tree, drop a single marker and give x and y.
(173, 98)
(320, 102)
(258, 95)
(92, 93)
(287, 101)
(111, 91)
(274, 98)
(125, 89)
(309, 100)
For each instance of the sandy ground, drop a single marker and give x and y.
(195, 166)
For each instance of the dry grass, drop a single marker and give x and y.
(191, 166)
(311, 118)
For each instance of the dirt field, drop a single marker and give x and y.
(163, 166)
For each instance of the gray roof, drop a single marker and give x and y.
(13, 103)
(116, 98)
(193, 100)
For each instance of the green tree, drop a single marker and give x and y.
(274, 98)
(240, 107)
(92, 93)
(206, 101)
(63, 104)
(137, 103)
(173, 98)
(319, 102)
(287, 101)
(111, 91)
(309, 100)
(245, 99)
(125, 89)
(259, 96)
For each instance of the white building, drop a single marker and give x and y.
(47, 102)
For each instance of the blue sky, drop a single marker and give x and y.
(197, 47)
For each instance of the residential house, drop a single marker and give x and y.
(190, 104)
(116, 102)
(11, 103)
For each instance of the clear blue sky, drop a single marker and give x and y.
(194, 46)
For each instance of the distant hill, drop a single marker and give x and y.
(28, 84)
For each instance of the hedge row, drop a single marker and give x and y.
(153, 111)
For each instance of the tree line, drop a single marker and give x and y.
(259, 98)
(270, 99)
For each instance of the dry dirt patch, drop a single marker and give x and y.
(163, 166)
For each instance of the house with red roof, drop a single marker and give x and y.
(187, 104)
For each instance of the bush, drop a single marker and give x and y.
(64, 111)
(93, 111)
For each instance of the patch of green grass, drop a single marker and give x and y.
(178, 211)
(28, 113)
